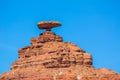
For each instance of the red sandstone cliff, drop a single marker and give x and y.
(49, 58)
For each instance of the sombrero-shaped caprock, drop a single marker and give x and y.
(48, 25)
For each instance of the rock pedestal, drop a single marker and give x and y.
(49, 58)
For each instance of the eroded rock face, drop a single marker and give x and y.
(47, 36)
(49, 58)
(49, 51)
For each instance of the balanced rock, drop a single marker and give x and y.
(49, 58)
(48, 25)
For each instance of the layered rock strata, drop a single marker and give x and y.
(49, 51)
(49, 58)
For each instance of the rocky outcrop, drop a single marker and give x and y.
(49, 58)
(49, 51)
(47, 36)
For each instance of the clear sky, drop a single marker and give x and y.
(94, 25)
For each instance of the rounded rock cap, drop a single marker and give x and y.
(48, 25)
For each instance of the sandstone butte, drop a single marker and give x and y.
(49, 58)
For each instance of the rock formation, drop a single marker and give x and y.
(49, 58)
(48, 25)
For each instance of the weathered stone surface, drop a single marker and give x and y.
(48, 25)
(71, 73)
(47, 36)
(49, 58)
(52, 55)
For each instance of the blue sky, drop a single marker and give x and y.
(94, 25)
